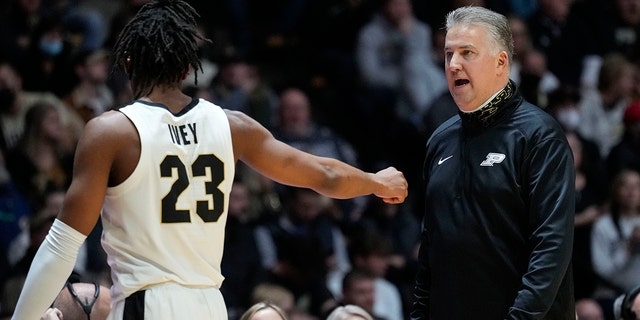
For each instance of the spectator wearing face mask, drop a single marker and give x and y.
(46, 55)
(563, 106)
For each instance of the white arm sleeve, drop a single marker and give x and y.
(49, 271)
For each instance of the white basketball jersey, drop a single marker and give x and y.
(166, 222)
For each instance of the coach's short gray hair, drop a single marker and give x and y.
(497, 25)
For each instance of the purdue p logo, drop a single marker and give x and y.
(492, 158)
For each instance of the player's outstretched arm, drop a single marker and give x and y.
(256, 146)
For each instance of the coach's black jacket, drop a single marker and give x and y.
(498, 225)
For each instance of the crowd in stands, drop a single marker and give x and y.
(357, 80)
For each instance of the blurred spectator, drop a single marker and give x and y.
(589, 206)
(202, 78)
(589, 309)
(563, 105)
(256, 26)
(394, 57)
(280, 297)
(47, 57)
(119, 81)
(264, 311)
(557, 28)
(626, 154)
(300, 246)
(331, 35)
(616, 29)
(14, 216)
(529, 69)
(85, 25)
(42, 159)
(239, 87)
(397, 225)
(349, 312)
(241, 265)
(17, 24)
(19, 250)
(14, 104)
(400, 229)
(601, 110)
(370, 253)
(265, 199)
(536, 81)
(297, 127)
(39, 225)
(615, 239)
(358, 289)
(87, 94)
(591, 180)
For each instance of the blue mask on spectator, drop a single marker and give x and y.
(51, 48)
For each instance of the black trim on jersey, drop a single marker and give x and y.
(134, 306)
(191, 105)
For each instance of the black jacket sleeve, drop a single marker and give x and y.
(550, 182)
(420, 305)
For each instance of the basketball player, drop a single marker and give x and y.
(160, 169)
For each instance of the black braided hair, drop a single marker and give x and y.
(158, 45)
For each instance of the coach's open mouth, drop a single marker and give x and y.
(461, 82)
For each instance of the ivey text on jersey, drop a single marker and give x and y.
(184, 134)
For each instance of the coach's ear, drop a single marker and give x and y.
(502, 62)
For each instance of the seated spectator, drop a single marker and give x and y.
(589, 309)
(588, 207)
(558, 30)
(15, 211)
(393, 55)
(42, 159)
(370, 253)
(280, 297)
(615, 239)
(39, 225)
(529, 69)
(626, 154)
(297, 128)
(15, 102)
(239, 86)
(87, 93)
(349, 312)
(264, 311)
(399, 229)
(242, 272)
(47, 55)
(358, 289)
(298, 248)
(602, 109)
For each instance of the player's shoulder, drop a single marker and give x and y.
(240, 120)
(108, 124)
